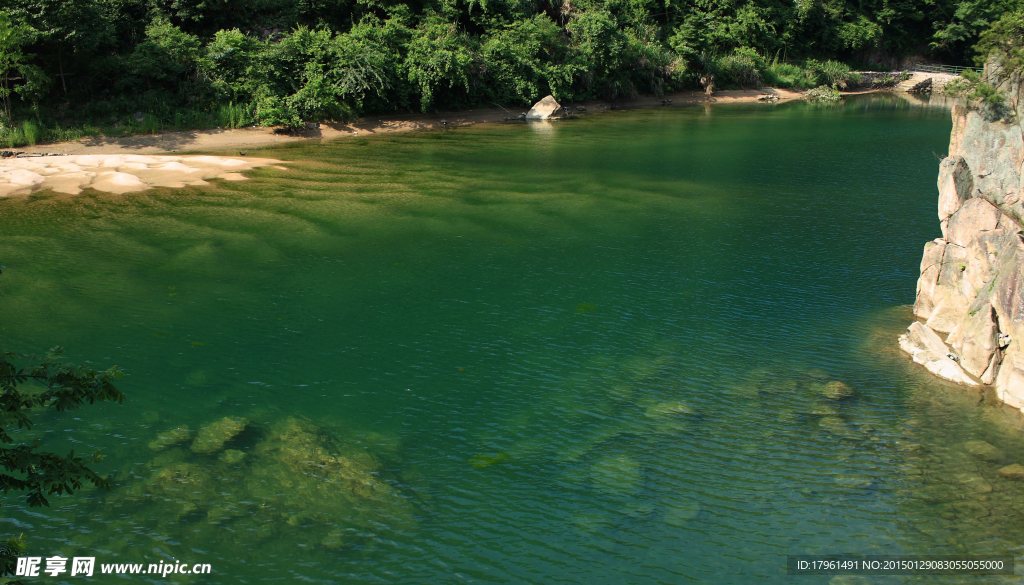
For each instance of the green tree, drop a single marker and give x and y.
(14, 62)
(168, 57)
(1006, 39)
(441, 62)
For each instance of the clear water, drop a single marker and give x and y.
(590, 352)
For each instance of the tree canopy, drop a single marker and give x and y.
(289, 61)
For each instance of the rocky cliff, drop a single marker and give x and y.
(970, 295)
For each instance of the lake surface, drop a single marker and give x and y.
(598, 351)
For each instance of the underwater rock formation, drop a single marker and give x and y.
(284, 478)
(970, 288)
(169, 438)
(212, 438)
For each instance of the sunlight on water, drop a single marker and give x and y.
(652, 346)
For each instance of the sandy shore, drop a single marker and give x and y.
(117, 173)
(243, 139)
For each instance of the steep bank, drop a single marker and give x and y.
(969, 295)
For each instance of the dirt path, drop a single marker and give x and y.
(230, 141)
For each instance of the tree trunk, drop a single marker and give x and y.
(60, 65)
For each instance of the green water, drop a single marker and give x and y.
(590, 352)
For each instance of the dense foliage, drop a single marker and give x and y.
(190, 63)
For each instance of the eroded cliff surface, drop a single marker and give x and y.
(969, 295)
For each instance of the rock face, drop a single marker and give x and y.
(544, 109)
(970, 288)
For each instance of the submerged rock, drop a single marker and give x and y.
(212, 438)
(1014, 471)
(854, 480)
(983, 450)
(295, 468)
(484, 460)
(232, 456)
(181, 489)
(976, 483)
(663, 409)
(971, 510)
(170, 438)
(618, 474)
(334, 539)
(296, 482)
(839, 428)
(836, 390)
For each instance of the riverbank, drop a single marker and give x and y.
(219, 141)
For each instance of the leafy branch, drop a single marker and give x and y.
(65, 387)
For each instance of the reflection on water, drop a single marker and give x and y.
(652, 346)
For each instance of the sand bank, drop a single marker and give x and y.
(235, 141)
(117, 173)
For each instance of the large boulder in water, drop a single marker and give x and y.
(544, 109)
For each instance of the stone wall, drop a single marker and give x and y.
(970, 296)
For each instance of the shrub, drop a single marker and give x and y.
(31, 132)
(232, 115)
(743, 68)
(787, 75)
(970, 86)
(831, 73)
(150, 124)
(824, 94)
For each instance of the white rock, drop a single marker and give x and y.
(927, 349)
(543, 109)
